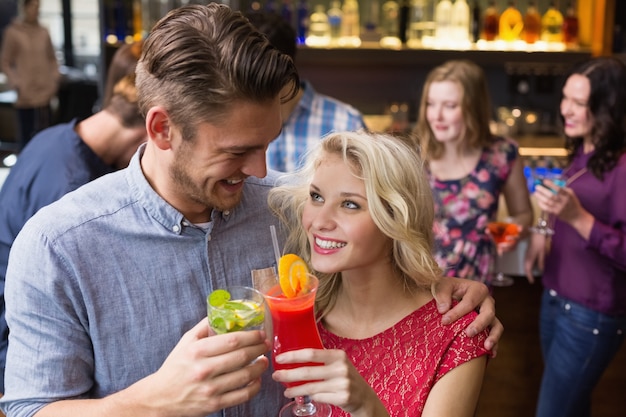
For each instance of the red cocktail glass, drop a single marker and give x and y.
(294, 327)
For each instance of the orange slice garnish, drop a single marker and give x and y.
(292, 274)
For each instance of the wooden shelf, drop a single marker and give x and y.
(381, 57)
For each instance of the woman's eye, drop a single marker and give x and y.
(351, 205)
(315, 196)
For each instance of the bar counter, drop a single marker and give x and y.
(541, 145)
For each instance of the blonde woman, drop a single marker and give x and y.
(362, 215)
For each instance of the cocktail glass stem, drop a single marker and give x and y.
(304, 406)
(502, 280)
(500, 232)
(542, 226)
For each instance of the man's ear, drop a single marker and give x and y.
(158, 127)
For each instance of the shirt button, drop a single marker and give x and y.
(596, 331)
(176, 228)
(568, 307)
(226, 212)
(552, 293)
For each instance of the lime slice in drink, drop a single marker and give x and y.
(218, 298)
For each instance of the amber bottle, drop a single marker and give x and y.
(532, 24)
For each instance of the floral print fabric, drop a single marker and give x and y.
(463, 207)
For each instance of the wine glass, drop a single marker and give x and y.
(556, 176)
(503, 232)
(294, 327)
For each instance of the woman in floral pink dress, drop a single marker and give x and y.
(468, 169)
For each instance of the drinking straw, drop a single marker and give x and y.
(275, 243)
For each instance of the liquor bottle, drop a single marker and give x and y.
(302, 21)
(491, 22)
(319, 29)
(286, 11)
(511, 23)
(552, 25)
(371, 21)
(532, 24)
(138, 31)
(389, 24)
(443, 20)
(270, 6)
(334, 22)
(460, 21)
(570, 26)
(475, 23)
(350, 36)
(421, 27)
(403, 20)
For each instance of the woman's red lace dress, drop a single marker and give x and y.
(403, 363)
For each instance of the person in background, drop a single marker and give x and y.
(106, 288)
(123, 63)
(362, 216)
(583, 309)
(60, 159)
(468, 168)
(309, 115)
(27, 58)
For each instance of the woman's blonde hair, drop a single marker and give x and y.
(399, 200)
(475, 106)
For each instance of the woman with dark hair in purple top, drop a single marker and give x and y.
(583, 310)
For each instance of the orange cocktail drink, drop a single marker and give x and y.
(502, 232)
(293, 323)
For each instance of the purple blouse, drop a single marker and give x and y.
(593, 272)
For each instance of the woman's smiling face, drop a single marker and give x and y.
(341, 231)
(577, 119)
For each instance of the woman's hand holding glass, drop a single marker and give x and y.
(558, 200)
(336, 381)
(546, 193)
(562, 202)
